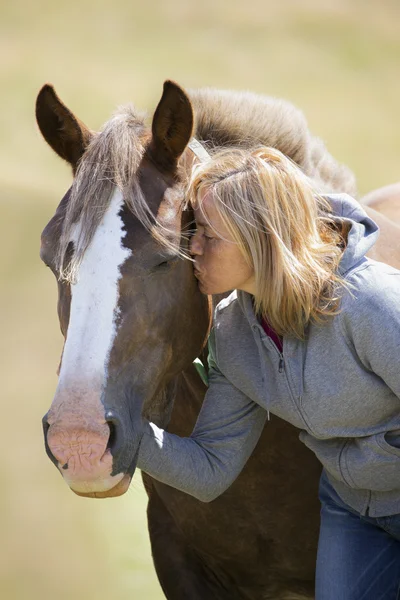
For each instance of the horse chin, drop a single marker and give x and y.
(114, 492)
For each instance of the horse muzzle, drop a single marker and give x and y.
(94, 456)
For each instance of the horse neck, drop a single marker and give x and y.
(185, 390)
(178, 402)
(188, 398)
(189, 389)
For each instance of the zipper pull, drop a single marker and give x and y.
(281, 364)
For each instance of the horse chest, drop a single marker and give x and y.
(221, 530)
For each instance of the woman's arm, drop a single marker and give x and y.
(206, 463)
(374, 326)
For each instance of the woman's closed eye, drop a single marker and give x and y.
(207, 234)
(204, 232)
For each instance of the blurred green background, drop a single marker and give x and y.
(338, 60)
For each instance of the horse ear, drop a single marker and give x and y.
(172, 126)
(64, 132)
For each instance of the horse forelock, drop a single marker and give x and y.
(111, 160)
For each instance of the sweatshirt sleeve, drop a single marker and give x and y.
(374, 329)
(205, 464)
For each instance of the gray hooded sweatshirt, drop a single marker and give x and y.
(340, 387)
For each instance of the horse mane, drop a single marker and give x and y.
(247, 120)
(222, 119)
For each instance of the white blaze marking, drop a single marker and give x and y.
(92, 324)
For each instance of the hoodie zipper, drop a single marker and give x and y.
(281, 364)
(281, 369)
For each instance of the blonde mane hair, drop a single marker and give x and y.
(284, 229)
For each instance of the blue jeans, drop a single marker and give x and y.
(358, 557)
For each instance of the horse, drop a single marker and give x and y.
(133, 321)
(385, 200)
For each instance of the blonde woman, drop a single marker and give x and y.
(310, 334)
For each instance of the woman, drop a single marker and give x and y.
(311, 334)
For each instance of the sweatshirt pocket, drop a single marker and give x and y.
(371, 463)
(328, 452)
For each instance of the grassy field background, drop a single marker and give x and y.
(338, 60)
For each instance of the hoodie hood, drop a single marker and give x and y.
(363, 231)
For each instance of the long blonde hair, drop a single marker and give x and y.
(284, 230)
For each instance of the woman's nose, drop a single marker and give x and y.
(196, 247)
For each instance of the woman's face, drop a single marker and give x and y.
(218, 263)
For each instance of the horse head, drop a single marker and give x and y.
(129, 306)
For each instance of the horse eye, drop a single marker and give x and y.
(165, 264)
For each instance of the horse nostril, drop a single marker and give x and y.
(116, 440)
(45, 425)
(113, 435)
(46, 428)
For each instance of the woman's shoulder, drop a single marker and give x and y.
(231, 326)
(228, 311)
(226, 302)
(373, 278)
(374, 288)
(235, 312)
